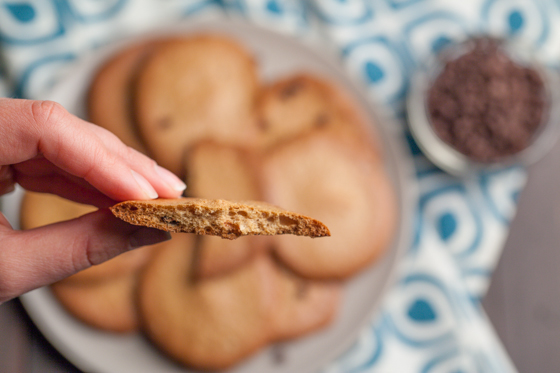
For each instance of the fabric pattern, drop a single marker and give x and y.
(431, 321)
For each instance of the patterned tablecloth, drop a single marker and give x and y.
(431, 320)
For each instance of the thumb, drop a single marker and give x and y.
(41, 256)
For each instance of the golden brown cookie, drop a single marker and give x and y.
(318, 175)
(211, 324)
(303, 305)
(194, 88)
(106, 305)
(118, 266)
(216, 256)
(305, 103)
(40, 209)
(110, 94)
(223, 171)
(217, 217)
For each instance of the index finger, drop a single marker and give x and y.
(29, 128)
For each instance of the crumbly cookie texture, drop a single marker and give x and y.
(217, 217)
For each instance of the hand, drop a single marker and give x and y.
(45, 149)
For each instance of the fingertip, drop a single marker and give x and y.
(147, 188)
(171, 179)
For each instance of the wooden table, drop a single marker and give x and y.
(523, 301)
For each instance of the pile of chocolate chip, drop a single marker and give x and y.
(485, 105)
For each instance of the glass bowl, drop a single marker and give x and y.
(444, 155)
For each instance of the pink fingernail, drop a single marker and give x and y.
(169, 178)
(145, 185)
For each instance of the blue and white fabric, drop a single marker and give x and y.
(431, 320)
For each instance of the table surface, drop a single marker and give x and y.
(522, 302)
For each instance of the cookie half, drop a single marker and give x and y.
(217, 217)
(217, 170)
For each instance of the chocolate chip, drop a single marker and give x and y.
(164, 123)
(263, 124)
(485, 105)
(302, 289)
(292, 89)
(321, 120)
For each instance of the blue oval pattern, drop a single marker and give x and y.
(344, 13)
(88, 11)
(430, 32)
(30, 22)
(448, 213)
(380, 64)
(22, 12)
(422, 311)
(273, 6)
(440, 42)
(501, 190)
(515, 21)
(526, 19)
(446, 225)
(373, 72)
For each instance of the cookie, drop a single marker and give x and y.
(106, 305)
(216, 256)
(217, 217)
(194, 88)
(40, 209)
(223, 171)
(118, 266)
(211, 324)
(318, 175)
(303, 305)
(109, 97)
(305, 103)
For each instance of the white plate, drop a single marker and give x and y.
(95, 351)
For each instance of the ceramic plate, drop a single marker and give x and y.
(277, 55)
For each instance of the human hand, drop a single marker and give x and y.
(45, 149)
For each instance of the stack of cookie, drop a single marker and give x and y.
(102, 295)
(196, 105)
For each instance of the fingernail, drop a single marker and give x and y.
(146, 237)
(145, 185)
(169, 178)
